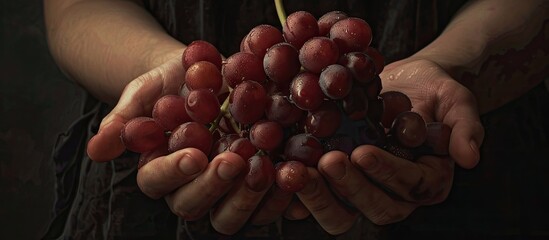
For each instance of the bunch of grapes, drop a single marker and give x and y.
(293, 95)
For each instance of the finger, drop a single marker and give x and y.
(136, 100)
(459, 110)
(328, 211)
(238, 205)
(192, 200)
(273, 206)
(296, 211)
(353, 186)
(426, 181)
(166, 173)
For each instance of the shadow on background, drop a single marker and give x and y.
(36, 104)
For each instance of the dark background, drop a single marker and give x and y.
(37, 103)
(506, 195)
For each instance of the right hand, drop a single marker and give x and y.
(190, 184)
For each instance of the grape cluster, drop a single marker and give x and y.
(294, 95)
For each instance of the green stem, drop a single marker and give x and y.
(280, 11)
(223, 111)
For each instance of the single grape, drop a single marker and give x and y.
(247, 102)
(394, 103)
(323, 121)
(261, 38)
(142, 134)
(351, 34)
(169, 111)
(281, 110)
(266, 135)
(243, 147)
(304, 148)
(291, 176)
(377, 57)
(243, 66)
(409, 129)
(200, 50)
(300, 26)
(318, 53)
(281, 63)
(305, 91)
(335, 81)
(361, 66)
(191, 135)
(261, 173)
(203, 75)
(326, 21)
(202, 106)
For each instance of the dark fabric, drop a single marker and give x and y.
(502, 198)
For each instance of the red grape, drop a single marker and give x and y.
(317, 53)
(261, 173)
(351, 34)
(200, 50)
(261, 38)
(247, 102)
(191, 135)
(142, 134)
(266, 135)
(305, 91)
(335, 81)
(394, 103)
(281, 63)
(291, 176)
(299, 27)
(202, 106)
(323, 121)
(304, 148)
(203, 75)
(409, 129)
(243, 66)
(169, 111)
(326, 21)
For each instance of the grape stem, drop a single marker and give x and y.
(223, 112)
(280, 11)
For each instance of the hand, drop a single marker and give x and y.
(386, 188)
(190, 184)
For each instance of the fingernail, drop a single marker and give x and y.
(367, 161)
(188, 166)
(227, 171)
(336, 171)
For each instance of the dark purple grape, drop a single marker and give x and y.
(323, 121)
(335, 81)
(361, 66)
(355, 104)
(243, 147)
(305, 91)
(281, 63)
(281, 110)
(409, 129)
(304, 148)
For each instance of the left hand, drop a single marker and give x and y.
(357, 179)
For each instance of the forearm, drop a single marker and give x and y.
(480, 40)
(105, 44)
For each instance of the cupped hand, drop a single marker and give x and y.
(383, 187)
(192, 185)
